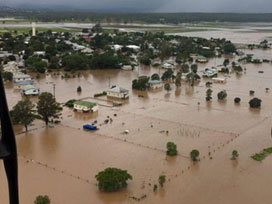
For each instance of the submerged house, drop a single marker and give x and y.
(20, 80)
(29, 90)
(85, 106)
(168, 66)
(210, 72)
(155, 84)
(201, 59)
(118, 92)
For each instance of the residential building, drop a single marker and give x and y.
(85, 106)
(155, 84)
(118, 92)
(28, 90)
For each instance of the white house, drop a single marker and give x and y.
(22, 77)
(85, 106)
(210, 72)
(30, 90)
(87, 50)
(11, 67)
(39, 53)
(155, 84)
(127, 67)
(201, 59)
(168, 66)
(134, 47)
(219, 80)
(118, 92)
(116, 47)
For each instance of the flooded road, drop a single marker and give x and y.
(62, 161)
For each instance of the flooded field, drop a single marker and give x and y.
(62, 161)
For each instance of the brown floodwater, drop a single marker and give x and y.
(62, 161)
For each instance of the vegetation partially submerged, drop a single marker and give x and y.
(112, 179)
(263, 154)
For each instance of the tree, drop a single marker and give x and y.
(42, 200)
(48, 107)
(75, 62)
(141, 83)
(226, 62)
(178, 80)
(255, 103)
(208, 94)
(185, 68)
(54, 63)
(222, 95)
(7, 76)
(112, 179)
(237, 100)
(229, 48)
(36, 64)
(171, 149)
(164, 51)
(194, 155)
(238, 69)
(167, 87)
(192, 77)
(22, 113)
(194, 68)
(162, 180)
(234, 154)
(155, 77)
(167, 75)
(251, 92)
(79, 89)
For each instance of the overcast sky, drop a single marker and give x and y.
(151, 5)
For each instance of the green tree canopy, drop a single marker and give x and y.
(171, 149)
(229, 48)
(194, 155)
(155, 76)
(42, 200)
(255, 103)
(112, 179)
(7, 76)
(48, 107)
(22, 113)
(167, 87)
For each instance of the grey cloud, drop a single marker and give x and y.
(153, 5)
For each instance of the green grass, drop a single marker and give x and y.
(262, 155)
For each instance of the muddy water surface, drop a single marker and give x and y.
(62, 161)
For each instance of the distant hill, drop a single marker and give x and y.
(64, 14)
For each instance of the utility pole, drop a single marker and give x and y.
(54, 89)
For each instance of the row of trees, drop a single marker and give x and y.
(222, 95)
(23, 112)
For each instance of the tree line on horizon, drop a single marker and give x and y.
(170, 18)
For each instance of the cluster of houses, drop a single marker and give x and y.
(25, 82)
(21, 81)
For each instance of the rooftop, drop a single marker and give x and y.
(28, 87)
(85, 103)
(118, 89)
